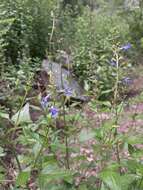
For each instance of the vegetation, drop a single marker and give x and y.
(51, 140)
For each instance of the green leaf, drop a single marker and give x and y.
(2, 177)
(106, 91)
(86, 85)
(4, 115)
(111, 179)
(103, 187)
(131, 149)
(22, 116)
(115, 181)
(1, 152)
(120, 107)
(36, 149)
(52, 172)
(132, 140)
(82, 187)
(126, 180)
(133, 165)
(22, 178)
(85, 136)
(106, 103)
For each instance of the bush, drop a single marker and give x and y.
(30, 31)
(134, 19)
(96, 34)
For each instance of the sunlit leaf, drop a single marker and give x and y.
(136, 139)
(22, 116)
(4, 115)
(111, 179)
(1, 152)
(52, 172)
(22, 178)
(85, 135)
(114, 180)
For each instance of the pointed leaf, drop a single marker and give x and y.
(22, 178)
(22, 116)
(111, 179)
(4, 115)
(85, 136)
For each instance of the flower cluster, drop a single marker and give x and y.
(54, 112)
(126, 47)
(45, 103)
(127, 81)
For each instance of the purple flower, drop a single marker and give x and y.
(45, 101)
(113, 63)
(127, 81)
(68, 92)
(126, 47)
(54, 112)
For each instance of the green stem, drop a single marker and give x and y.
(17, 160)
(38, 155)
(13, 129)
(66, 141)
(13, 132)
(52, 33)
(23, 100)
(41, 149)
(3, 164)
(140, 182)
(117, 79)
(67, 153)
(116, 109)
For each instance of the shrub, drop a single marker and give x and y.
(30, 31)
(96, 34)
(134, 19)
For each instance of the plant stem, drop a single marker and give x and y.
(15, 127)
(2, 163)
(52, 33)
(66, 142)
(23, 100)
(37, 157)
(64, 114)
(116, 109)
(140, 182)
(17, 160)
(67, 153)
(41, 149)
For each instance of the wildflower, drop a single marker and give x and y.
(45, 101)
(68, 92)
(54, 112)
(126, 47)
(113, 63)
(127, 81)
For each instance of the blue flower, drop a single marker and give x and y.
(126, 47)
(113, 63)
(127, 81)
(68, 92)
(54, 112)
(45, 101)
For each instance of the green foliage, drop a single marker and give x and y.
(31, 18)
(5, 24)
(75, 149)
(93, 50)
(134, 19)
